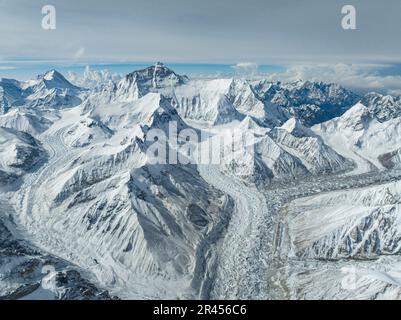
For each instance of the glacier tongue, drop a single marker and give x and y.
(283, 222)
(241, 271)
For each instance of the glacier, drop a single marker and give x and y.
(316, 203)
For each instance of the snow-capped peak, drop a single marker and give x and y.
(296, 128)
(156, 78)
(54, 80)
(88, 192)
(313, 102)
(382, 107)
(50, 75)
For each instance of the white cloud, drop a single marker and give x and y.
(363, 76)
(7, 68)
(79, 53)
(246, 68)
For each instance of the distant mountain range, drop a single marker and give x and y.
(77, 184)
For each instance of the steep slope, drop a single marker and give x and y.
(221, 101)
(87, 131)
(51, 90)
(19, 153)
(346, 243)
(26, 121)
(364, 133)
(270, 104)
(10, 94)
(238, 228)
(23, 270)
(383, 107)
(206, 101)
(391, 160)
(311, 102)
(300, 141)
(48, 91)
(52, 79)
(152, 79)
(282, 153)
(141, 228)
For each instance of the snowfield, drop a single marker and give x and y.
(312, 213)
(357, 241)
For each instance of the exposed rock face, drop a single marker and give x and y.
(23, 269)
(139, 83)
(83, 195)
(383, 108)
(49, 91)
(19, 154)
(311, 102)
(366, 134)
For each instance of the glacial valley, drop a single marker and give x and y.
(313, 212)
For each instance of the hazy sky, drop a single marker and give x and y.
(215, 31)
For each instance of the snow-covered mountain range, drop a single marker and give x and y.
(317, 194)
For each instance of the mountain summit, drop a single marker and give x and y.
(294, 200)
(138, 83)
(53, 79)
